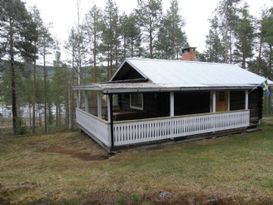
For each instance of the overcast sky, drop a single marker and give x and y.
(62, 15)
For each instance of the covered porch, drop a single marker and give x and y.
(131, 115)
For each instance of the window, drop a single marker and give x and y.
(136, 101)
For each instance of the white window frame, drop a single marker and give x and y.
(136, 107)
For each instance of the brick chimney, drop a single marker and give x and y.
(189, 54)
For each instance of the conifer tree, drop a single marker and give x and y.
(93, 32)
(214, 47)
(149, 13)
(131, 36)
(110, 36)
(15, 43)
(227, 13)
(171, 37)
(244, 36)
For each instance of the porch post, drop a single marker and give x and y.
(110, 119)
(85, 102)
(99, 105)
(108, 108)
(246, 100)
(228, 101)
(77, 99)
(171, 104)
(214, 101)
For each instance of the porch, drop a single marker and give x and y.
(156, 129)
(130, 118)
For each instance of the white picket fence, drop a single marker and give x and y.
(139, 131)
(148, 130)
(95, 126)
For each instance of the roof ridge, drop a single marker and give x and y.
(182, 61)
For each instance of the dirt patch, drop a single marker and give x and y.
(86, 156)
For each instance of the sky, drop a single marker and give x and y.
(61, 15)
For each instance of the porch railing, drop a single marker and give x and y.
(139, 131)
(94, 126)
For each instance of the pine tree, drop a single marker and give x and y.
(71, 46)
(149, 13)
(93, 31)
(15, 43)
(214, 47)
(171, 37)
(46, 45)
(267, 34)
(227, 13)
(36, 31)
(110, 36)
(131, 36)
(244, 35)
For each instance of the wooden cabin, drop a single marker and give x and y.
(149, 101)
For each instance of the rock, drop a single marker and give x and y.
(164, 195)
(212, 202)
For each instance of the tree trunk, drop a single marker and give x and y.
(57, 115)
(225, 47)
(116, 56)
(29, 114)
(132, 48)
(230, 46)
(71, 96)
(39, 114)
(108, 62)
(95, 56)
(244, 61)
(151, 43)
(270, 61)
(50, 115)
(45, 91)
(14, 99)
(34, 97)
(13, 85)
(67, 108)
(259, 61)
(111, 62)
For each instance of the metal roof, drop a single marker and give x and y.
(194, 74)
(177, 75)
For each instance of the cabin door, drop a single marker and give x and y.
(222, 101)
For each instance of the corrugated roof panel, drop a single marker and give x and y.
(189, 73)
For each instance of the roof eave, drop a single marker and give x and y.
(173, 89)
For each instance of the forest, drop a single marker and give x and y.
(36, 95)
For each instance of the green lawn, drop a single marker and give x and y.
(69, 168)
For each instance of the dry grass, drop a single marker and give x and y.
(69, 168)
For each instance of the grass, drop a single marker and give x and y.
(69, 168)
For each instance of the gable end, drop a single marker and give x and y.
(126, 73)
